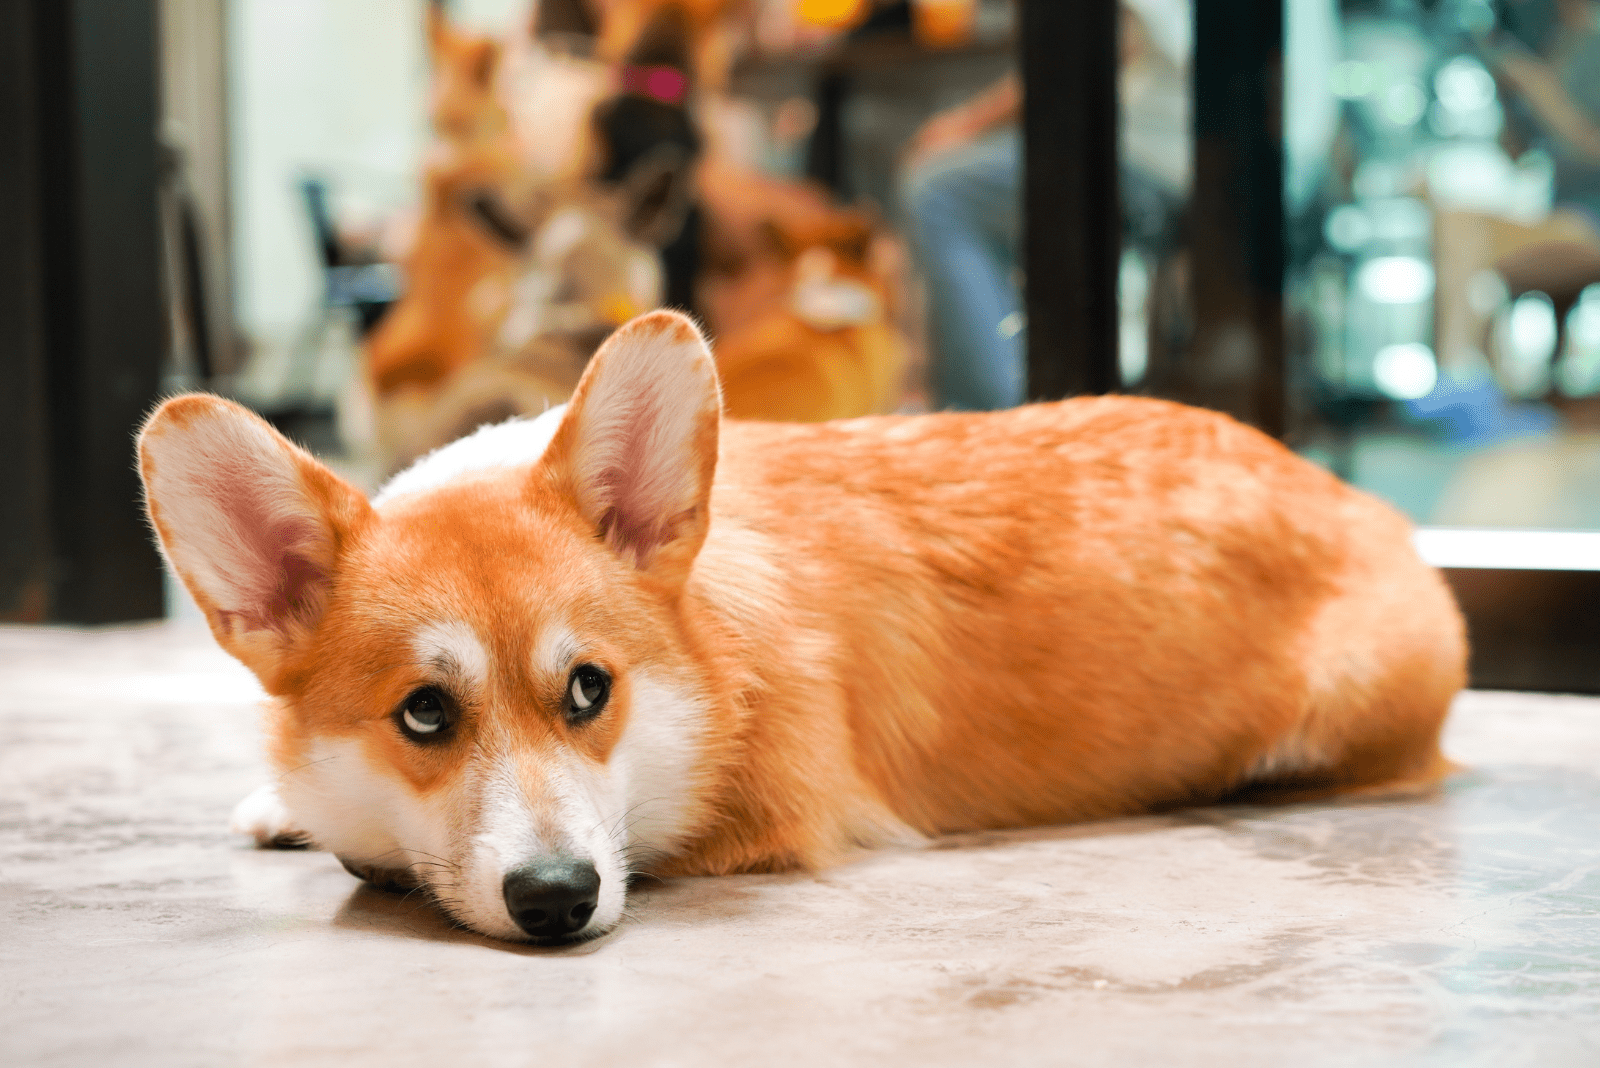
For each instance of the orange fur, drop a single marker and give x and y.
(892, 625)
(1066, 612)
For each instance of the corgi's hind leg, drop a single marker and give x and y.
(1382, 670)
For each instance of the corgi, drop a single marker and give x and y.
(632, 636)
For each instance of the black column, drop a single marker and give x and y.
(1237, 252)
(82, 322)
(25, 543)
(825, 155)
(1071, 217)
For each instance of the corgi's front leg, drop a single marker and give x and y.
(263, 816)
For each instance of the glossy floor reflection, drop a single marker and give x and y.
(1461, 929)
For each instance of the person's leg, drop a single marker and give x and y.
(963, 209)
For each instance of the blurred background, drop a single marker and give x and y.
(1369, 227)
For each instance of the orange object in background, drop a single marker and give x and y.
(825, 347)
(802, 297)
(832, 14)
(783, 369)
(943, 23)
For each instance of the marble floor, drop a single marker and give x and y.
(1463, 929)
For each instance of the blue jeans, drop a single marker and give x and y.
(963, 210)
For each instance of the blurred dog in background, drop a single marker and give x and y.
(518, 270)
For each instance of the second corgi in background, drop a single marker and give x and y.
(513, 277)
(516, 272)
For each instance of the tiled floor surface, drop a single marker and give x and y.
(1459, 930)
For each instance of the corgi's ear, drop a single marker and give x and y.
(252, 524)
(637, 448)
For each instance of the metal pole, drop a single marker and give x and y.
(1072, 221)
(1237, 232)
(93, 320)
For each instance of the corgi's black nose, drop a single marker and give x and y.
(552, 898)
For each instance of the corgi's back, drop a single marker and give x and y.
(1091, 607)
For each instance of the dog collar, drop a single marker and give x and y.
(669, 85)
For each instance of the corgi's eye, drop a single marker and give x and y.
(587, 693)
(425, 714)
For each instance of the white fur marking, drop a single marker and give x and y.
(506, 838)
(654, 762)
(362, 810)
(453, 650)
(529, 298)
(1290, 754)
(560, 235)
(555, 651)
(644, 279)
(516, 443)
(577, 820)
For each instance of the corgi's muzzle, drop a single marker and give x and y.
(552, 899)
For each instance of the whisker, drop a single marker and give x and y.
(307, 764)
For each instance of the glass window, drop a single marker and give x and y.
(1442, 200)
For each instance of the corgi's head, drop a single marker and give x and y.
(482, 682)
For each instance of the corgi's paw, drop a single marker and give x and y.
(263, 817)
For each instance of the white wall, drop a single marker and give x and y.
(491, 16)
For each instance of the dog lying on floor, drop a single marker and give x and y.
(630, 635)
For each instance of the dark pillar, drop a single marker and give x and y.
(24, 431)
(1531, 630)
(1070, 207)
(825, 155)
(1237, 251)
(83, 322)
